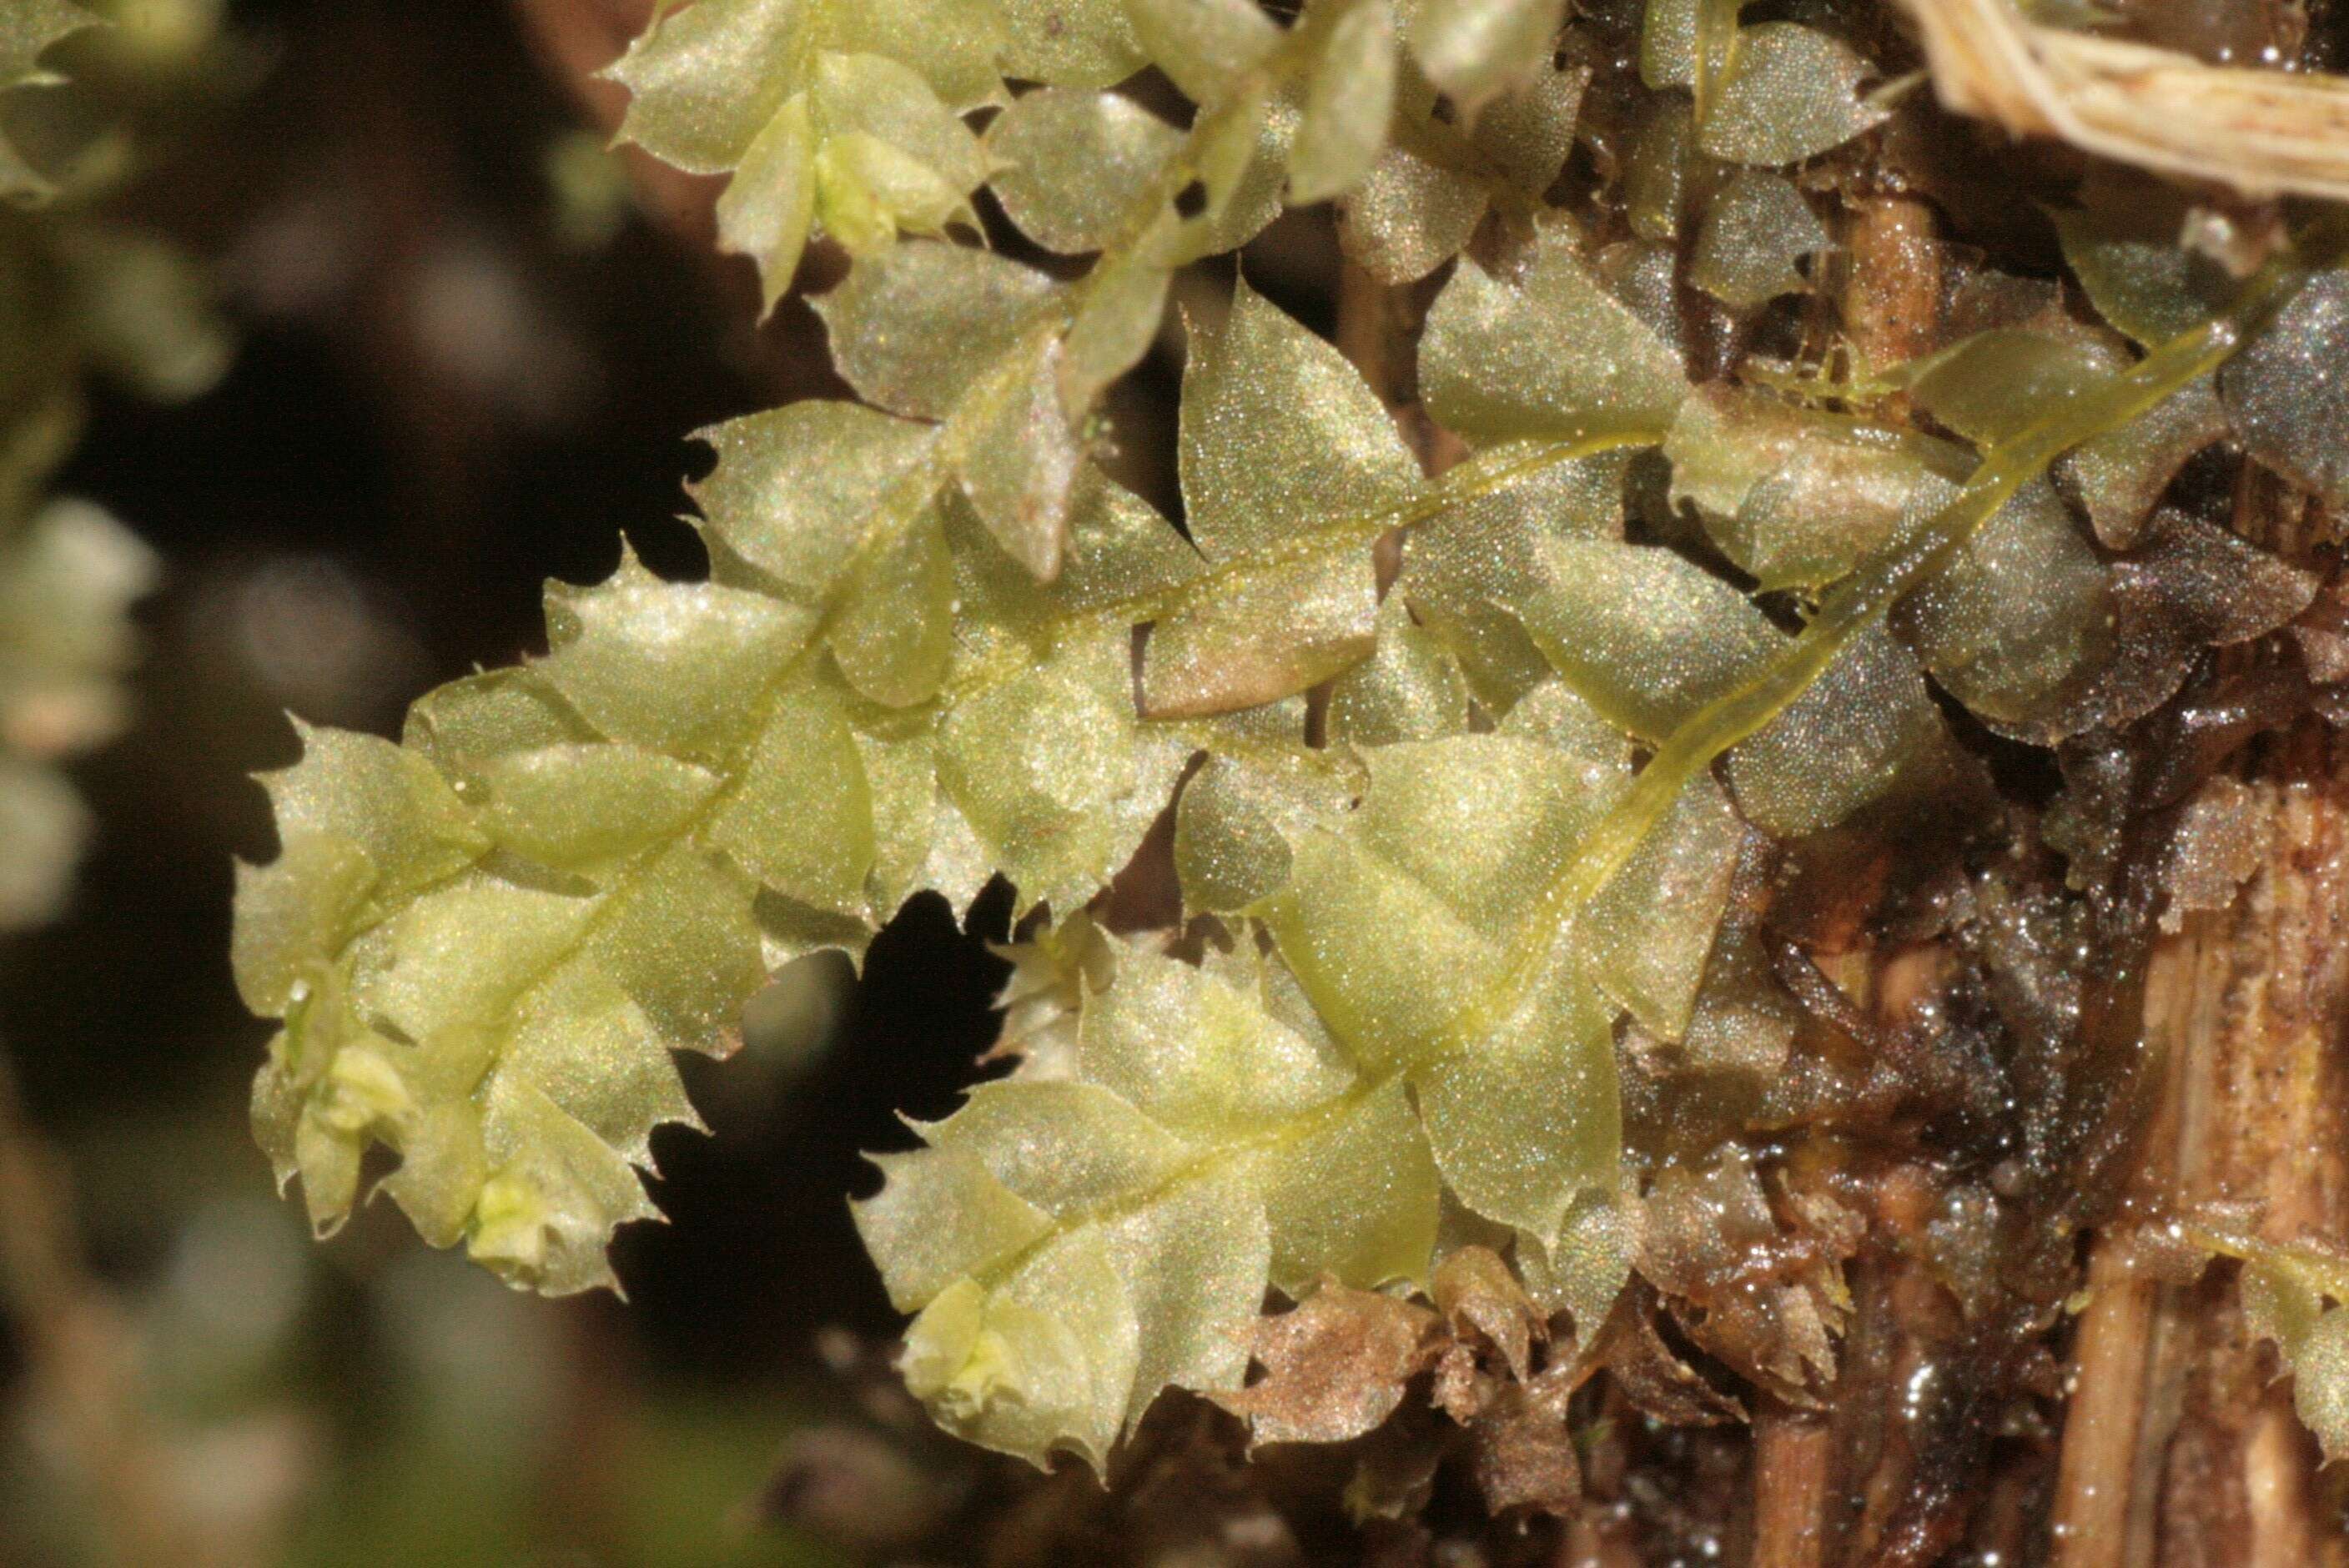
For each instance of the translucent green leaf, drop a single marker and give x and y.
(1277, 630)
(1205, 46)
(1046, 1362)
(1554, 358)
(2123, 245)
(1486, 554)
(384, 802)
(1257, 790)
(1074, 164)
(1198, 1052)
(670, 666)
(1788, 92)
(2284, 1292)
(1117, 1228)
(767, 213)
(1410, 688)
(1643, 939)
(1841, 744)
(1423, 200)
(1353, 1194)
(1070, 42)
(1350, 92)
(1797, 497)
(796, 487)
(1526, 1121)
(1663, 171)
(1757, 228)
(1996, 383)
(1473, 49)
(2285, 391)
(1396, 926)
(1408, 215)
(916, 327)
(1668, 43)
(848, 123)
(2119, 475)
(1035, 763)
(2022, 618)
(889, 154)
(581, 806)
(1641, 633)
(1279, 438)
(802, 823)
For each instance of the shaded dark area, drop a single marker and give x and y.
(468, 361)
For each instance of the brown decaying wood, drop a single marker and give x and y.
(2176, 1444)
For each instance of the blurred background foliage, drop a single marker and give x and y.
(469, 343)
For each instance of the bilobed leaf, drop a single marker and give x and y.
(1996, 384)
(1797, 497)
(1757, 229)
(1641, 633)
(1643, 939)
(1257, 790)
(2119, 475)
(2024, 615)
(1551, 357)
(1787, 93)
(1487, 556)
(1280, 440)
(1423, 200)
(2123, 245)
(1410, 688)
(2286, 395)
(1842, 744)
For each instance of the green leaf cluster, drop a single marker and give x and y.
(1441, 832)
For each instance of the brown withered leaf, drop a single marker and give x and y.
(1522, 1454)
(2189, 585)
(1765, 1298)
(1657, 1383)
(2222, 838)
(1335, 1365)
(1477, 1293)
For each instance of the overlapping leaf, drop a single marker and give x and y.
(1434, 895)
(491, 937)
(1114, 1231)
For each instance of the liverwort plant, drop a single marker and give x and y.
(1472, 763)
